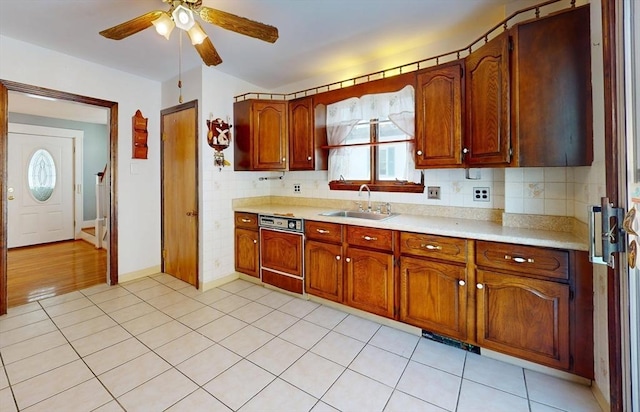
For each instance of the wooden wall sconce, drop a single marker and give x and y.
(139, 136)
(219, 137)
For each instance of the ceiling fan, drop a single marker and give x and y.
(180, 14)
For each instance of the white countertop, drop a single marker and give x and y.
(444, 226)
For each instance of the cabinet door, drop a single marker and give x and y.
(439, 116)
(247, 251)
(487, 138)
(523, 317)
(552, 81)
(323, 270)
(370, 281)
(433, 296)
(269, 135)
(281, 251)
(301, 142)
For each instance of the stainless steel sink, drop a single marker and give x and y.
(358, 214)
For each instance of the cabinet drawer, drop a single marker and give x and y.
(323, 231)
(530, 260)
(246, 220)
(370, 237)
(437, 247)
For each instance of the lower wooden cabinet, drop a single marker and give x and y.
(247, 248)
(369, 279)
(433, 296)
(323, 270)
(524, 317)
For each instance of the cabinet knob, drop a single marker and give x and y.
(309, 158)
(419, 152)
(338, 257)
(461, 282)
(348, 260)
(283, 159)
(255, 241)
(465, 151)
(480, 286)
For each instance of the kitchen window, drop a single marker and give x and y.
(371, 140)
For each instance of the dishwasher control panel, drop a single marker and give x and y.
(291, 224)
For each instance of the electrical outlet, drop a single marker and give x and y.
(481, 194)
(433, 192)
(297, 188)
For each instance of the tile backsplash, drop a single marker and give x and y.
(532, 191)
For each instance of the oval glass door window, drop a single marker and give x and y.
(42, 175)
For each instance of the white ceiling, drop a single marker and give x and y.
(316, 36)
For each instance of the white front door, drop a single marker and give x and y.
(41, 189)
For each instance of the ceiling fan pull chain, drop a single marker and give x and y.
(180, 68)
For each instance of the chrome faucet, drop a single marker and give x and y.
(369, 198)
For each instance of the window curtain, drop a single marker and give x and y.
(341, 119)
(398, 107)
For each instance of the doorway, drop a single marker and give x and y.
(179, 160)
(112, 107)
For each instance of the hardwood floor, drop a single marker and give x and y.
(42, 271)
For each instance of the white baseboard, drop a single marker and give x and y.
(535, 367)
(127, 277)
(218, 282)
(600, 398)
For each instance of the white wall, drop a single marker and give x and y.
(137, 180)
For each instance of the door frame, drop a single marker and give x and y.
(614, 141)
(5, 87)
(174, 109)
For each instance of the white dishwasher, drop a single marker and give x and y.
(282, 252)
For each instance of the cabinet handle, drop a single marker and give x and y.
(461, 282)
(338, 257)
(255, 241)
(431, 247)
(309, 158)
(348, 260)
(419, 152)
(322, 231)
(283, 159)
(519, 259)
(246, 220)
(480, 286)
(465, 151)
(369, 238)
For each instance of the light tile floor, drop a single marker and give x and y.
(158, 344)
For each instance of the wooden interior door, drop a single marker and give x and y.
(179, 130)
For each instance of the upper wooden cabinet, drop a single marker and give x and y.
(552, 120)
(305, 152)
(260, 135)
(301, 150)
(439, 98)
(487, 89)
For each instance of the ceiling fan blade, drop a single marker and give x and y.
(132, 26)
(209, 54)
(239, 24)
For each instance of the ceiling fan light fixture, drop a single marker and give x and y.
(164, 25)
(183, 18)
(196, 34)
